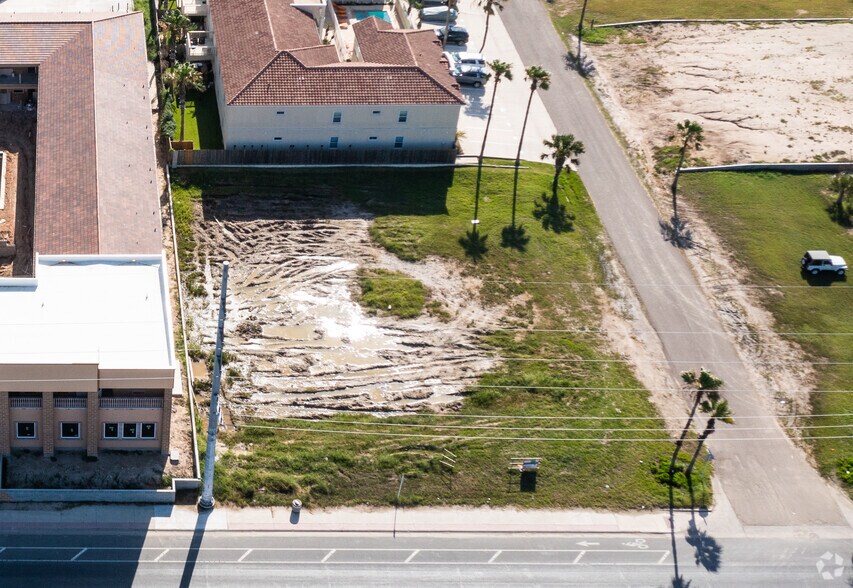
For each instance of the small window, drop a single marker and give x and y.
(148, 430)
(110, 430)
(128, 430)
(276, 138)
(373, 138)
(26, 430)
(377, 112)
(69, 430)
(333, 143)
(336, 118)
(398, 142)
(279, 112)
(404, 116)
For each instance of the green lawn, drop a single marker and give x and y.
(202, 125)
(567, 12)
(768, 221)
(426, 212)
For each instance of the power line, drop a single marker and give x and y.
(478, 438)
(653, 331)
(542, 429)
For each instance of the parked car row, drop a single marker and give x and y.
(467, 68)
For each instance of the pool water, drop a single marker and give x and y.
(362, 14)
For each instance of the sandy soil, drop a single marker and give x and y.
(761, 92)
(17, 141)
(301, 341)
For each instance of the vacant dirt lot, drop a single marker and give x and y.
(298, 338)
(17, 141)
(761, 92)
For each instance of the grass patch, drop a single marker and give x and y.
(202, 120)
(392, 293)
(768, 220)
(567, 12)
(420, 213)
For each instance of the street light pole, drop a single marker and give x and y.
(206, 501)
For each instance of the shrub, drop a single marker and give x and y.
(483, 398)
(845, 470)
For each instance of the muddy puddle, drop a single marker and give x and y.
(299, 339)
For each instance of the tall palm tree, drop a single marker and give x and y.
(703, 383)
(451, 4)
(176, 26)
(717, 410)
(691, 135)
(842, 184)
(563, 149)
(538, 78)
(489, 7)
(580, 34)
(500, 70)
(181, 78)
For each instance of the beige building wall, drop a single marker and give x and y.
(70, 415)
(130, 416)
(43, 377)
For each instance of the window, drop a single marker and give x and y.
(333, 143)
(279, 112)
(276, 138)
(148, 430)
(398, 142)
(110, 430)
(372, 138)
(336, 118)
(69, 430)
(377, 112)
(128, 430)
(404, 116)
(25, 430)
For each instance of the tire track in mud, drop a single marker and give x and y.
(299, 338)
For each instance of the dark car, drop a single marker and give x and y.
(427, 3)
(456, 35)
(470, 75)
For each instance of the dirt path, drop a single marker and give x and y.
(300, 339)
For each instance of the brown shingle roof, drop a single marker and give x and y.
(269, 54)
(96, 189)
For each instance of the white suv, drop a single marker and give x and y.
(465, 58)
(815, 262)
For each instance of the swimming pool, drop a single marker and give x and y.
(362, 14)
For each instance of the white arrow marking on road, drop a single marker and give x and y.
(587, 543)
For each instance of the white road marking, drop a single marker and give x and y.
(328, 555)
(156, 559)
(578, 558)
(663, 557)
(2, 549)
(242, 557)
(495, 556)
(81, 552)
(414, 553)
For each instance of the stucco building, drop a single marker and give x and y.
(86, 345)
(280, 86)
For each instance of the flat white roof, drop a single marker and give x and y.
(110, 310)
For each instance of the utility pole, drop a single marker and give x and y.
(206, 501)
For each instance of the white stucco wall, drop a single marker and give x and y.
(302, 127)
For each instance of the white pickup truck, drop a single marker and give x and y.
(815, 262)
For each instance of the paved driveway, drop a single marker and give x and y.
(511, 97)
(65, 6)
(765, 477)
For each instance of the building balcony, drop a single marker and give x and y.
(69, 403)
(194, 7)
(131, 403)
(25, 403)
(19, 81)
(200, 46)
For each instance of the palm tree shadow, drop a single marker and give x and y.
(707, 551)
(553, 214)
(676, 232)
(474, 244)
(515, 237)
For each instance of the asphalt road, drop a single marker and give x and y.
(253, 559)
(768, 482)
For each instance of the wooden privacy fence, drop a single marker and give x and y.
(247, 157)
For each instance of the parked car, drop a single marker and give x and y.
(428, 3)
(465, 58)
(470, 75)
(438, 13)
(817, 261)
(456, 35)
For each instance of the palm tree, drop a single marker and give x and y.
(488, 7)
(538, 78)
(717, 410)
(500, 70)
(182, 77)
(691, 135)
(703, 383)
(580, 34)
(563, 149)
(451, 4)
(176, 26)
(842, 184)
